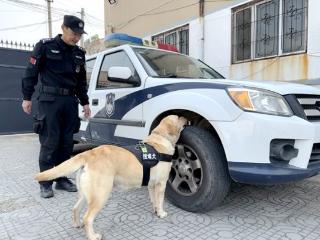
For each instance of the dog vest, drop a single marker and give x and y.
(148, 157)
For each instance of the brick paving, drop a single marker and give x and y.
(284, 212)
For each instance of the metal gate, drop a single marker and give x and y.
(12, 67)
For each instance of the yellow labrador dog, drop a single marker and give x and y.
(105, 166)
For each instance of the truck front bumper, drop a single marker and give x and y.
(269, 173)
(246, 142)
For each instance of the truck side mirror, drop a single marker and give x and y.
(122, 75)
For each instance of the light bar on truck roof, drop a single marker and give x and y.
(117, 39)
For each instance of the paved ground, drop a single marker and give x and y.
(289, 211)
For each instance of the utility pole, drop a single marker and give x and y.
(82, 18)
(49, 17)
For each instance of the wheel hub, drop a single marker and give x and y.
(183, 169)
(186, 174)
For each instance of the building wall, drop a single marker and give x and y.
(218, 43)
(217, 36)
(94, 46)
(149, 17)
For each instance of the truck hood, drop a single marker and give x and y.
(282, 88)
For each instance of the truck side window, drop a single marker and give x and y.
(117, 59)
(89, 68)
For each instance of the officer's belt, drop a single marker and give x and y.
(57, 91)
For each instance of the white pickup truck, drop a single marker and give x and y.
(246, 131)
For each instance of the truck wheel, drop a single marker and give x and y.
(199, 179)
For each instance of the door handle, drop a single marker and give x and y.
(95, 102)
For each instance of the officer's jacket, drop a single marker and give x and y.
(148, 157)
(58, 65)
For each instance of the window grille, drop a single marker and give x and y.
(178, 37)
(269, 28)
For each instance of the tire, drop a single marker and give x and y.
(199, 179)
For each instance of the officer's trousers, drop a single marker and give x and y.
(59, 115)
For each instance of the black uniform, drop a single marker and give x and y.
(62, 73)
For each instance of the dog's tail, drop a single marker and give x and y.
(64, 169)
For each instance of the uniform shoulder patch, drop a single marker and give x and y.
(46, 40)
(81, 49)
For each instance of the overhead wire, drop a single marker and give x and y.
(27, 25)
(171, 10)
(58, 12)
(38, 7)
(34, 7)
(186, 6)
(147, 13)
(54, 10)
(64, 3)
(132, 19)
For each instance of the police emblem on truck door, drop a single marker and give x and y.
(110, 104)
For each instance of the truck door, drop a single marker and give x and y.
(113, 104)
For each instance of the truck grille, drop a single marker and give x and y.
(315, 154)
(310, 105)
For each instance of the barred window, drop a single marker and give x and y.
(171, 39)
(243, 34)
(184, 41)
(294, 21)
(269, 28)
(178, 37)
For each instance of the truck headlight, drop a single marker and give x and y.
(261, 101)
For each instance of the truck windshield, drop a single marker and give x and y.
(164, 64)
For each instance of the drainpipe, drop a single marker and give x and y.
(201, 20)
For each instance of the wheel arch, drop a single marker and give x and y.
(194, 119)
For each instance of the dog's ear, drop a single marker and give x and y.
(157, 130)
(173, 128)
(170, 125)
(183, 121)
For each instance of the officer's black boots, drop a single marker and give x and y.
(61, 184)
(46, 191)
(65, 184)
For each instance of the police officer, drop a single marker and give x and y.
(60, 65)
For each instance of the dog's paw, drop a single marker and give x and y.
(78, 225)
(162, 214)
(96, 236)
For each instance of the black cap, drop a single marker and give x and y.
(75, 23)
